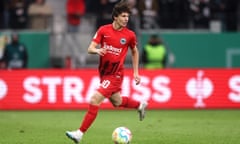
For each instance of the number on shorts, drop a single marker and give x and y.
(105, 83)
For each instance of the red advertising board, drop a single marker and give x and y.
(163, 89)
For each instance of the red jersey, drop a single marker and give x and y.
(116, 43)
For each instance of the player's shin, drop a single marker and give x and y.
(89, 117)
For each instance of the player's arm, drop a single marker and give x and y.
(135, 63)
(92, 49)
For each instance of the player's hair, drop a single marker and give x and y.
(120, 7)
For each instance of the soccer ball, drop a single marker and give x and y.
(121, 135)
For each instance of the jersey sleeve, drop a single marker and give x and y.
(133, 41)
(98, 35)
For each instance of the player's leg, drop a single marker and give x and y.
(91, 114)
(89, 118)
(116, 99)
(127, 102)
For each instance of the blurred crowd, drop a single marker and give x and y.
(146, 14)
(173, 14)
(24, 14)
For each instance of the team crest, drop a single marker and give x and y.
(123, 41)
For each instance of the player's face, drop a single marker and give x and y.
(122, 19)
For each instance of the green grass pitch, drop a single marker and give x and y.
(159, 126)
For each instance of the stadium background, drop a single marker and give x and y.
(196, 99)
(194, 53)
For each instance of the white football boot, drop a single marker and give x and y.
(76, 136)
(141, 110)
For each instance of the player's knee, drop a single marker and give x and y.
(94, 101)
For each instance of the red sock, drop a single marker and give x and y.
(89, 117)
(129, 103)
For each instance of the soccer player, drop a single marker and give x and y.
(114, 39)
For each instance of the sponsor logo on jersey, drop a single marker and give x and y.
(111, 49)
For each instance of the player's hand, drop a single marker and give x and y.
(137, 79)
(101, 51)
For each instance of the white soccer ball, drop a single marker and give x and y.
(121, 135)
